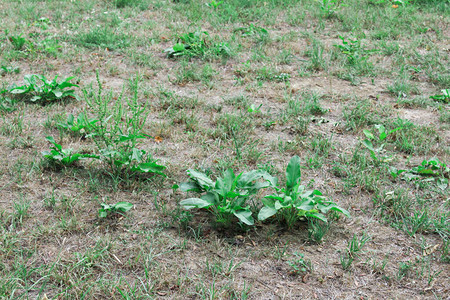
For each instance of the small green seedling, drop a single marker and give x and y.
(228, 196)
(353, 50)
(294, 202)
(329, 7)
(7, 104)
(355, 246)
(382, 135)
(65, 157)
(444, 97)
(48, 91)
(112, 209)
(252, 30)
(300, 265)
(254, 109)
(214, 4)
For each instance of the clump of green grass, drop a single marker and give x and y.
(102, 37)
(360, 115)
(130, 3)
(413, 139)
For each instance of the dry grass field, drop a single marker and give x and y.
(353, 95)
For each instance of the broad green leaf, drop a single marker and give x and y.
(442, 183)
(427, 172)
(380, 128)
(71, 119)
(130, 137)
(106, 206)
(102, 213)
(271, 179)
(65, 83)
(316, 193)
(258, 186)
(150, 167)
(50, 139)
(341, 210)
(245, 216)
(195, 203)
(266, 212)
(123, 206)
(247, 178)
(178, 47)
(394, 130)
(327, 206)
(279, 205)
(228, 179)
(35, 98)
(19, 90)
(190, 186)
(234, 194)
(293, 173)
(137, 154)
(307, 205)
(202, 179)
(30, 79)
(224, 185)
(368, 134)
(269, 200)
(317, 215)
(368, 145)
(57, 93)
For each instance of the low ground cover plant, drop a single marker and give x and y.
(231, 195)
(9, 70)
(108, 210)
(330, 7)
(116, 131)
(431, 170)
(79, 125)
(300, 265)
(228, 196)
(64, 157)
(37, 88)
(372, 138)
(197, 44)
(294, 202)
(444, 97)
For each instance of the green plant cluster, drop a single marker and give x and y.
(444, 97)
(116, 132)
(114, 209)
(198, 44)
(37, 88)
(431, 170)
(354, 51)
(24, 46)
(65, 157)
(371, 139)
(236, 196)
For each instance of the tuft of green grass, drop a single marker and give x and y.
(102, 37)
